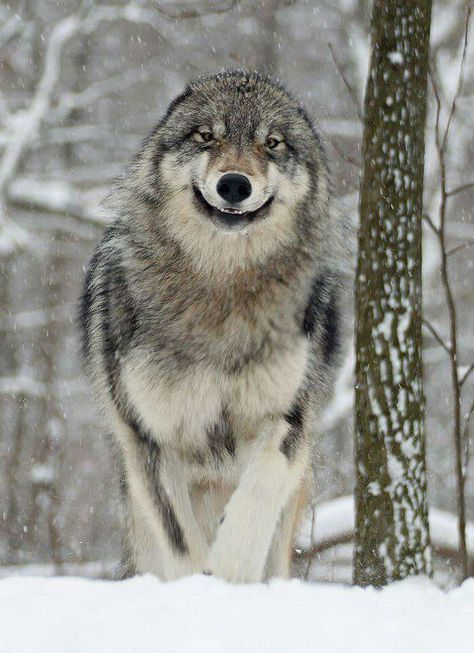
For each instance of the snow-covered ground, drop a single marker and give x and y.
(204, 615)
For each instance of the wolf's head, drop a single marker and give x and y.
(234, 160)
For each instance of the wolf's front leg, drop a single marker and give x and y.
(274, 471)
(165, 538)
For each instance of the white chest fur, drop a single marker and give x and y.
(181, 411)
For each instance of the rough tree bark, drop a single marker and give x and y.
(392, 533)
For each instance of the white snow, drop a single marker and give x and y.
(42, 474)
(205, 615)
(22, 384)
(396, 57)
(395, 469)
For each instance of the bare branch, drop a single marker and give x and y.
(326, 545)
(10, 27)
(4, 110)
(86, 133)
(460, 189)
(460, 83)
(435, 86)
(466, 375)
(343, 155)
(28, 122)
(460, 459)
(458, 248)
(197, 12)
(38, 318)
(68, 208)
(440, 550)
(103, 88)
(85, 22)
(430, 223)
(465, 436)
(436, 336)
(348, 85)
(24, 385)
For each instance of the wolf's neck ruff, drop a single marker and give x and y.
(209, 317)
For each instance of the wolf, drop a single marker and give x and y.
(210, 320)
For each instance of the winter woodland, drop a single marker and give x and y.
(81, 83)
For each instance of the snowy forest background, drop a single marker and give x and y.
(81, 83)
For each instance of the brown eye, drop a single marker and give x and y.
(272, 142)
(203, 135)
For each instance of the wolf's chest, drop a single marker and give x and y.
(184, 408)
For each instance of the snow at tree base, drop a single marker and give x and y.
(205, 615)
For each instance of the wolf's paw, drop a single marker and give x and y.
(233, 567)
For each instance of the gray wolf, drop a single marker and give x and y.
(210, 321)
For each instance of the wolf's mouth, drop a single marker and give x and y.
(231, 218)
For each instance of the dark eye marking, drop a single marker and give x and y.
(272, 142)
(203, 135)
(275, 141)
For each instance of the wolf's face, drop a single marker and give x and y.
(235, 154)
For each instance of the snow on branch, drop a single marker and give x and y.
(11, 26)
(22, 385)
(26, 123)
(23, 126)
(101, 89)
(54, 197)
(192, 11)
(38, 318)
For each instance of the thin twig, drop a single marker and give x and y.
(326, 545)
(439, 550)
(460, 83)
(436, 335)
(466, 375)
(188, 12)
(458, 248)
(348, 85)
(441, 147)
(465, 436)
(460, 189)
(343, 155)
(430, 223)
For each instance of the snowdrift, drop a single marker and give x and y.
(204, 615)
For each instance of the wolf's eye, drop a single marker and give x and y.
(203, 135)
(273, 141)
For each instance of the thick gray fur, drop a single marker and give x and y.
(212, 339)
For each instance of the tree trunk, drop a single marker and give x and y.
(392, 533)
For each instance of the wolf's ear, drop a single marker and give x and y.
(177, 101)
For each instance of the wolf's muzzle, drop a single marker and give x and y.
(230, 218)
(234, 188)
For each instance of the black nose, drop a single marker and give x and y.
(234, 188)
